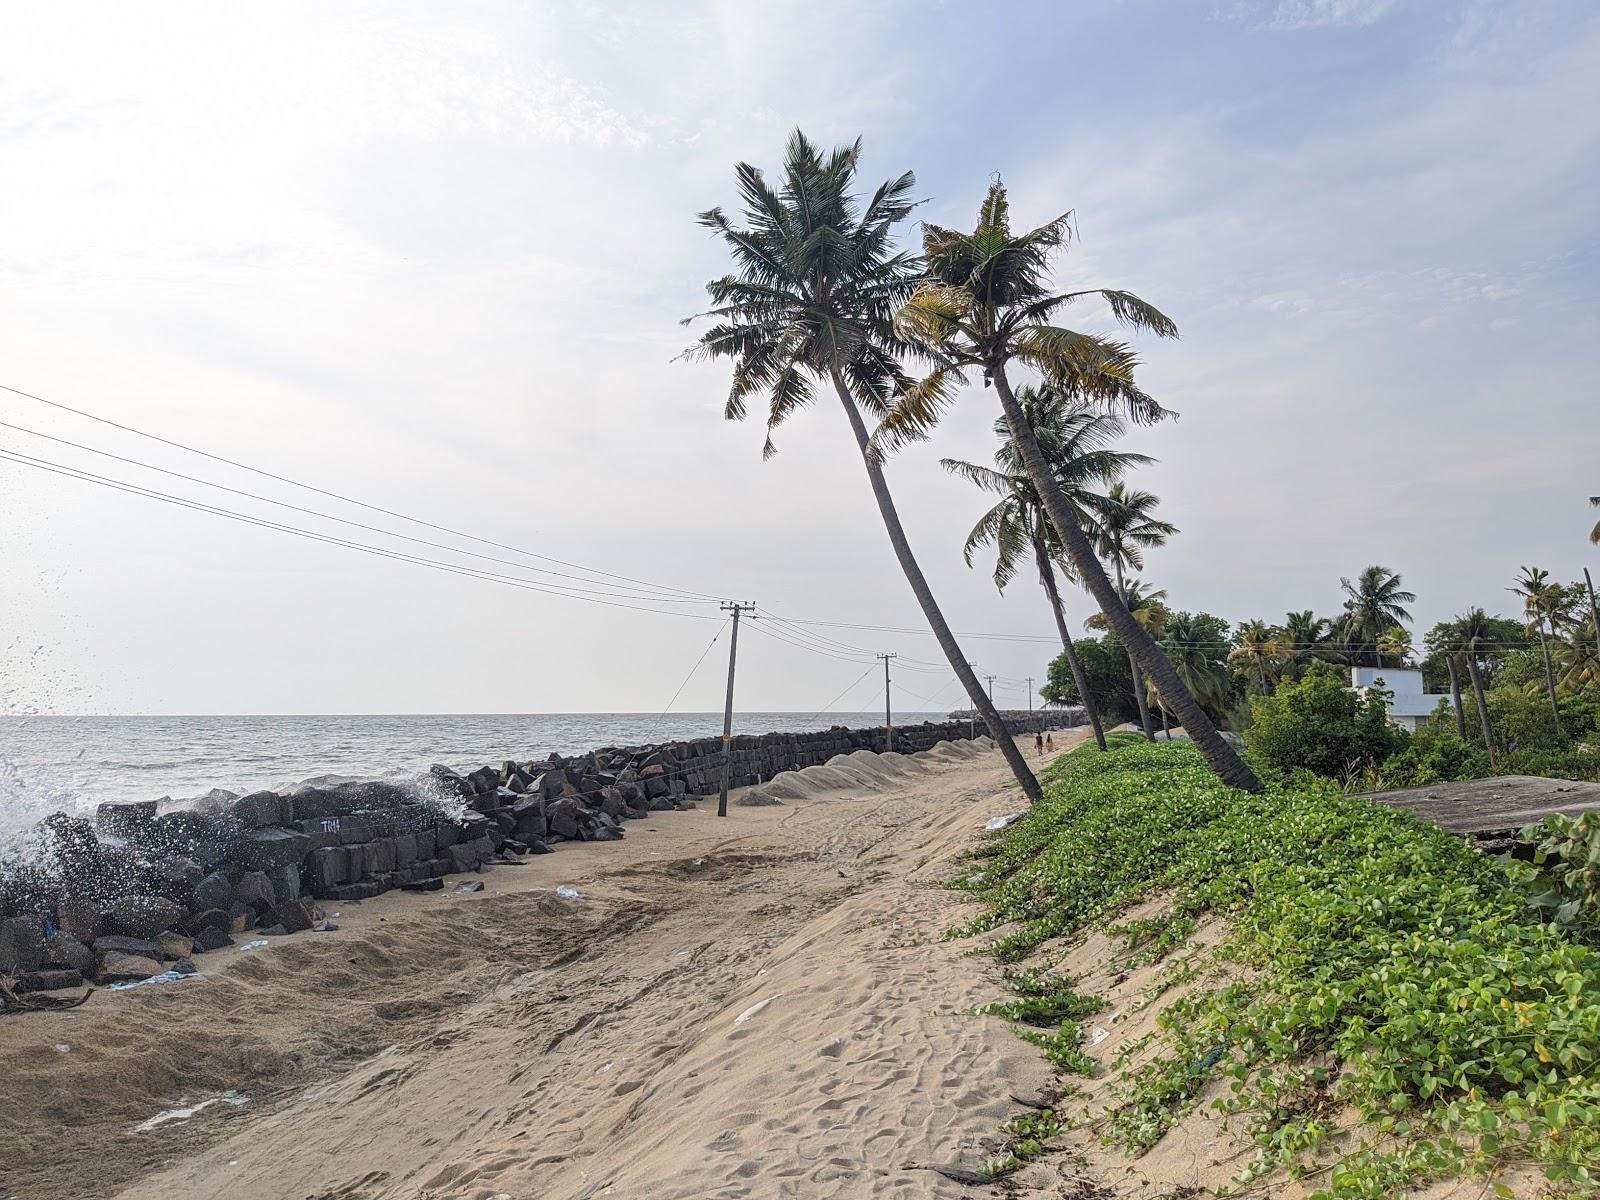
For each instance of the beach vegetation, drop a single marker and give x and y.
(1384, 970)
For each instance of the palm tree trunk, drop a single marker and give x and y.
(1047, 576)
(1146, 722)
(1549, 674)
(930, 607)
(1455, 697)
(1230, 768)
(1483, 706)
(1594, 607)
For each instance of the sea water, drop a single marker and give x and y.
(61, 763)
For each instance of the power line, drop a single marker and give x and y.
(381, 552)
(776, 636)
(646, 593)
(842, 694)
(332, 495)
(663, 714)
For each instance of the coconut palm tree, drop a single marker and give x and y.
(1374, 604)
(984, 304)
(1262, 650)
(1199, 656)
(1395, 643)
(1149, 610)
(811, 302)
(1579, 658)
(1594, 534)
(1075, 439)
(1127, 527)
(1541, 604)
(1444, 641)
(1310, 639)
(1148, 606)
(1478, 638)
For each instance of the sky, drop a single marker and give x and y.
(434, 258)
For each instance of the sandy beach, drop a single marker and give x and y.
(758, 1006)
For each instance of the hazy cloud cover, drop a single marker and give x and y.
(435, 258)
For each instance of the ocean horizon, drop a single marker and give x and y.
(51, 763)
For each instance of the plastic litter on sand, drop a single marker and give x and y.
(183, 1113)
(164, 977)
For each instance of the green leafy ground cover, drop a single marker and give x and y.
(1390, 968)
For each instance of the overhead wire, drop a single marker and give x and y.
(242, 466)
(829, 705)
(362, 547)
(624, 589)
(662, 716)
(628, 588)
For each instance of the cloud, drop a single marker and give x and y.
(1290, 15)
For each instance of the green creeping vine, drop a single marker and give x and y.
(1028, 1135)
(1048, 1002)
(1391, 968)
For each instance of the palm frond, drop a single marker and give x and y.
(913, 412)
(986, 478)
(1128, 309)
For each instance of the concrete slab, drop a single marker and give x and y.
(1492, 808)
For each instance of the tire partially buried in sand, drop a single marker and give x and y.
(863, 770)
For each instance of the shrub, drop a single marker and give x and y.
(1320, 725)
(1522, 720)
(1563, 880)
(1105, 665)
(1435, 754)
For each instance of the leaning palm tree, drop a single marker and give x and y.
(812, 301)
(1541, 604)
(1476, 629)
(1125, 528)
(1075, 439)
(1374, 604)
(984, 305)
(1594, 534)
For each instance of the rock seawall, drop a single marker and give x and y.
(147, 884)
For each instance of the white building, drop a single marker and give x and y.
(1410, 706)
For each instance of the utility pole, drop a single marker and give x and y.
(888, 711)
(1594, 609)
(990, 678)
(736, 608)
(1030, 695)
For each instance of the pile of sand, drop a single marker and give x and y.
(861, 771)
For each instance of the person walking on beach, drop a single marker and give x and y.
(1050, 743)
(1038, 742)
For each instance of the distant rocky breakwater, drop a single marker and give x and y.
(146, 885)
